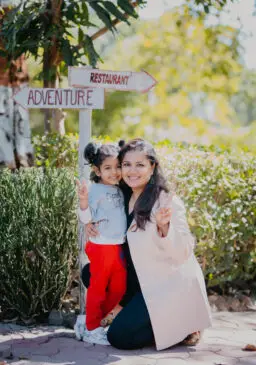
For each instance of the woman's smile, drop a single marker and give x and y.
(136, 169)
(133, 178)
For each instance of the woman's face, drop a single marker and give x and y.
(136, 170)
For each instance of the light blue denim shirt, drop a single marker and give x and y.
(106, 209)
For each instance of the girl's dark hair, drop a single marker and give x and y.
(96, 153)
(157, 183)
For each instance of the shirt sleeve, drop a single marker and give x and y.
(179, 242)
(90, 213)
(84, 215)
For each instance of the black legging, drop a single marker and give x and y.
(131, 329)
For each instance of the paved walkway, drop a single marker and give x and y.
(221, 345)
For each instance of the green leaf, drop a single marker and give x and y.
(70, 12)
(67, 52)
(85, 13)
(80, 35)
(127, 8)
(103, 15)
(206, 9)
(115, 11)
(92, 55)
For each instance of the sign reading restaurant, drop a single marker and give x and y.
(108, 78)
(117, 80)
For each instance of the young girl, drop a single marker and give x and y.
(106, 210)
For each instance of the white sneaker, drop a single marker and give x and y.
(80, 327)
(97, 336)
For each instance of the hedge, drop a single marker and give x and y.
(38, 219)
(218, 186)
(219, 191)
(38, 240)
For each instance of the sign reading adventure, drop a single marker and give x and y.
(118, 80)
(89, 98)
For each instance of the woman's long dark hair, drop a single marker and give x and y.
(157, 183)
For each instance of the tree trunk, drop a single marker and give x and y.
(46, 84)
(59, 117)
(15, 140)
(51, 61)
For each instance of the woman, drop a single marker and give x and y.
(166, 298)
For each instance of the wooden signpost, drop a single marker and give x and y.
(86, 92)
(117, 80)
(89, 98)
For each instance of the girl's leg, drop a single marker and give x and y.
(100, 269)
(117, 282)
(132, 329)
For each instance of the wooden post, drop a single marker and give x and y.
(84, 172)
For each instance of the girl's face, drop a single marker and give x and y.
(136, 170)
(109, 171)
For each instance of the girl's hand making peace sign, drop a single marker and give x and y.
(82, 192)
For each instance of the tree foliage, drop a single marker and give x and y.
(243, 101)
(207, 5)
(189, 59)
(58, 32)
(34, 25)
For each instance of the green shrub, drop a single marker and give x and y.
(219, 191)
(38, 239)
(218, 186)
(38, 220)
(54, 150)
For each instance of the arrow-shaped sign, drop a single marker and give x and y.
(118, 80)
(89, 98)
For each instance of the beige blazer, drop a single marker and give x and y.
(170, 277)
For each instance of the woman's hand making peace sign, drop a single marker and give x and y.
(163, 217)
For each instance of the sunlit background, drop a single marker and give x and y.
(205, 68)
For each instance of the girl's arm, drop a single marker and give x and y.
(89, 203)
(83, 210)
(82, 192)
(84, 215)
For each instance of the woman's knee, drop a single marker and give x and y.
(118, 338)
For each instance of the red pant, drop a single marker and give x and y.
(107, 281)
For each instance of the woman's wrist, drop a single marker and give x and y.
(163, 229)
